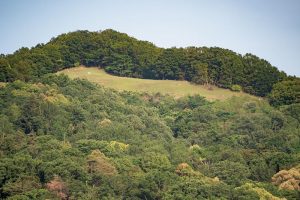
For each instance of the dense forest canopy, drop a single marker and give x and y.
(122, 55)
(71, 139)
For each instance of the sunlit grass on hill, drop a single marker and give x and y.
(171, 87)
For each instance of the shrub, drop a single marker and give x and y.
(236, 88)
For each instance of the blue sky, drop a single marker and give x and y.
(269, 29)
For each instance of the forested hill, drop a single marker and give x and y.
(69, 139)
(122, 55)
(66, 139)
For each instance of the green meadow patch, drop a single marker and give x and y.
(172, 87)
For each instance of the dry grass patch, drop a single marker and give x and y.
(175, 88)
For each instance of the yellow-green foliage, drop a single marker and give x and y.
(118, 146)
(184, 169)
(2, 84)
(174, 88)
(236, 88)
(108, 147)
(99, 163)
(14, 111)
(156, 161)
(262, 193)
(45, 92)
(20, 93)
(66, 145)
(195, 147)
(52, 96)
(104, 122)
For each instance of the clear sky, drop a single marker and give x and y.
(269, 29)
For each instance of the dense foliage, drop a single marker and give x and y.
(122, 55)
(70, 139)
(285, 93)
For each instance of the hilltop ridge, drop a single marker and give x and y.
(123, 55)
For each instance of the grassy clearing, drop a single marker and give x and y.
(174, 88)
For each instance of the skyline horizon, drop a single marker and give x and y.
(269, 31)
(100, 30)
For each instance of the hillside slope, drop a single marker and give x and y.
(71, 139)
(171, 87)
